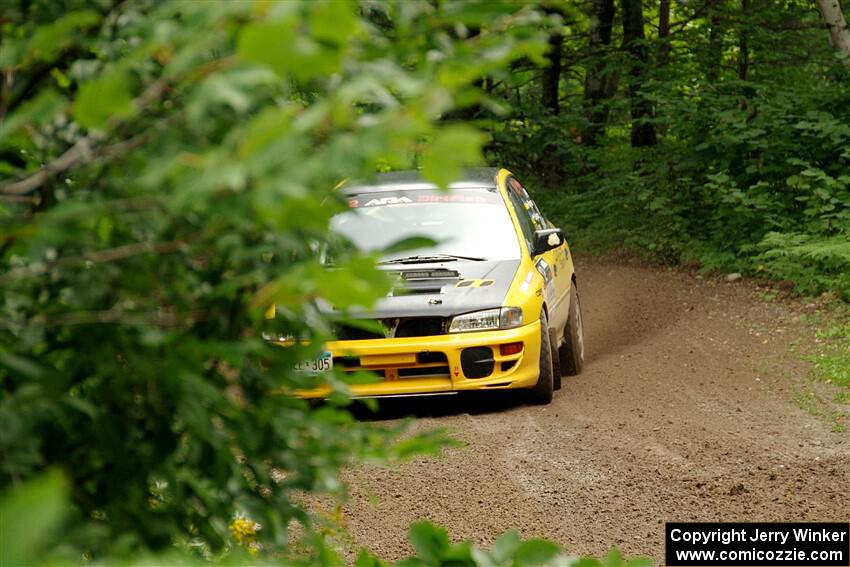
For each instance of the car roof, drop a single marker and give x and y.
(473, 177)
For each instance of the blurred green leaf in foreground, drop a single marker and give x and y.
(167, 172)
(28, 517)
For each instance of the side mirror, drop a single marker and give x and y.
(545, 240)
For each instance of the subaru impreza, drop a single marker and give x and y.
(492, 304)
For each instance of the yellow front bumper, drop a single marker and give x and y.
(431, 365)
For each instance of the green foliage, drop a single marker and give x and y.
(102, 98)
(433, 549)
(185, 156)
(44, 500)
(751, 171)
(814, 263)
(29, 515)
(445, 156)
(833, 363)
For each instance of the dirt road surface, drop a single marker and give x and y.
(686, 411)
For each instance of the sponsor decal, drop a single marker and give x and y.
(548, 279)
(451, 199)
(474, 283)
(381, 201)
(526, 282)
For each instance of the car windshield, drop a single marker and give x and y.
(466, 223)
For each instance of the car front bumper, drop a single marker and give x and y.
(439, 364)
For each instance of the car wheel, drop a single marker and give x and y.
(556, 359)
(571, 353)
(541, 393)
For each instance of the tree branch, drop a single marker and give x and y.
(60, 164)
(83, 149)
(109, 316)
(23, 199)
(107, 255)
(698, 13)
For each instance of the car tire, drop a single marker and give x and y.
(541, 393)
(571, 353)
(556, 359)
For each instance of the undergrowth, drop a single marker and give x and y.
(830, 360)
(766, 194)
(832, 363)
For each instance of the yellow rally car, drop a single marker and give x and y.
(493, 305)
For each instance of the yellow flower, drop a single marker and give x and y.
(244, 531)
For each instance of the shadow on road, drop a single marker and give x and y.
(473, 403)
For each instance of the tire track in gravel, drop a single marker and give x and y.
(684, 412)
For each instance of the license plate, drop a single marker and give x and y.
(321, 363)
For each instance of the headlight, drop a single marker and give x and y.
(487, 320)
(278, 338)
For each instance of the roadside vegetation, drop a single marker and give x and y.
(167, 173)
(707, 133)
(833, 365)
(829, 355)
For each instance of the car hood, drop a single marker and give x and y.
(443, 289)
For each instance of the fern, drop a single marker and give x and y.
(813, 262)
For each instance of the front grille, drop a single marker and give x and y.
(431, 358)
(409, 327)
(352, 364)
(421, 327)
(429, 372)
(428, 365)
(347, 362)
(350, 333)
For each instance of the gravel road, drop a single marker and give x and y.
(686, 411)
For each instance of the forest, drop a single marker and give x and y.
(167, 169)
(712, 134)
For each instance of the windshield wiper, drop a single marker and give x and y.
(432, 258)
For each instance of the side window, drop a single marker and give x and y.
(537, 218)
(519, 199)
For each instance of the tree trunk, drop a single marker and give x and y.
(552, 74)
(714, 56)
(664, 33)
(597, 87)
(743, 42)
(643, 131)
(839, 34)
(663, 47)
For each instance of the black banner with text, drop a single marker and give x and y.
(815, 544)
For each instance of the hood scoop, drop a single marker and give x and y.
(423, 282)
(437, 274)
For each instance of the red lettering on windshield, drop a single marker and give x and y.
(450, 199)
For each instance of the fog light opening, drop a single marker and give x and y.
(510, 348)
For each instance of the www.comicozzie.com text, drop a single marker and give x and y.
(755, 534)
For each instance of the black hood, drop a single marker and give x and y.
(444, 289)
